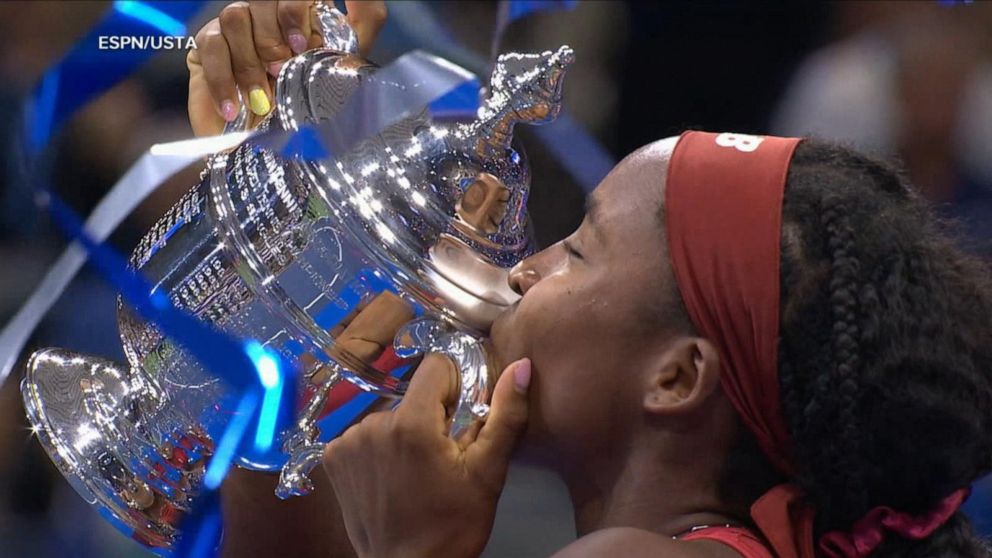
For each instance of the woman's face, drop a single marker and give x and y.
(593, 312)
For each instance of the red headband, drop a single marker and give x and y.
(723, 208)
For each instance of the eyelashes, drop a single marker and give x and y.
(571, 249)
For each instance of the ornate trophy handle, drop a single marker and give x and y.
(335, 29)
(420, 336)
(303, 448)
(428, 335)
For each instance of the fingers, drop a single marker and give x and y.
(469, 435)
(236, 26)
(249, 42)
(212, 85)
(507, 416)
(367, 18)
(370, 328)
(337, 330)
(270, 45)
(381, 319)
(433, 388)
(363, 350)
(294, 21)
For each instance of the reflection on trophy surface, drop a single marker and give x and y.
(349, 267)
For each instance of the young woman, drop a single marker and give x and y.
(752, 346)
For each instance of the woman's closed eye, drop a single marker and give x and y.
(570, 248)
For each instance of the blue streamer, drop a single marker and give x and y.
(270, 374)
(43, 109)
(230, 440)
(305, 143)
(460, 102)
(517, 9)
(91, 71)
(151, 15)
(202, 527)
(215, 350)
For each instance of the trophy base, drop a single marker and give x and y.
(87, 413)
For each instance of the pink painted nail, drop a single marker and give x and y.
(521, 375)
(297, 41)
(229, 111)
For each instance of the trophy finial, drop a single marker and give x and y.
(523, 88)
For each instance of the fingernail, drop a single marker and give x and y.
(274, 68)
(229, 111)
(258, 101)
(297, 41)
(521, 375)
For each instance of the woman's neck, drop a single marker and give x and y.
(645, 490)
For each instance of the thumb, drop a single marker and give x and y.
(507, 415)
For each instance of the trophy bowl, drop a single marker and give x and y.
(348, 266)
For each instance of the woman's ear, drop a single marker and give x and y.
(685, 374)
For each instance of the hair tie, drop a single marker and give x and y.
(869, 531)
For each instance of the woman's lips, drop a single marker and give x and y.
(505, 315)
(501, 328)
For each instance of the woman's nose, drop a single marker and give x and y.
(522, 277)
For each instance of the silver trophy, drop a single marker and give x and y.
(349, 267)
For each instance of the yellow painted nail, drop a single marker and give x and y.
(259, 102)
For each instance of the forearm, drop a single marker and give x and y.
(256, 523)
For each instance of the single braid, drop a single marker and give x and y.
(843, 380)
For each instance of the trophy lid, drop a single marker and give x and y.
(441, 205)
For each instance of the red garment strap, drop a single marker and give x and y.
(723, 207)
(746, 543)
(785, 521)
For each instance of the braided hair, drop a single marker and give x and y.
(885, 354)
